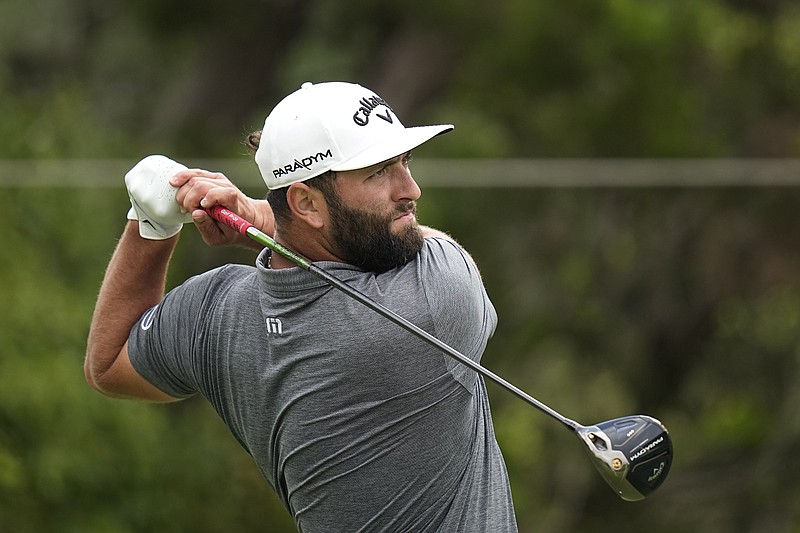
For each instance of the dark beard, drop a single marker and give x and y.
(365, 239)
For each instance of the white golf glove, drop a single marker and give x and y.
(153, 198)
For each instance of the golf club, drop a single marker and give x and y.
(633, 453)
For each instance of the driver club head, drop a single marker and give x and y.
(632, 453)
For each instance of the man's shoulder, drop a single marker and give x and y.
(444, 250)
(218, 279)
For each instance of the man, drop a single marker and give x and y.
(355, 423)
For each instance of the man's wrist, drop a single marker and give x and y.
(132, 227)
(263, 218)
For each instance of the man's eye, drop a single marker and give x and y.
(379, 173)
(407, 160)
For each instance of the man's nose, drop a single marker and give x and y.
(406, 186)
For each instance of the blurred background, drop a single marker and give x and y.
(623, 171)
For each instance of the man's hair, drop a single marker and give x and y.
(277, 197)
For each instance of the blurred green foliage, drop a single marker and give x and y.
(633, 78)
(680, 303)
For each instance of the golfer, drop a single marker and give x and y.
(355, 423)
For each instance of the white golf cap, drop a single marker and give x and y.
(332, 126)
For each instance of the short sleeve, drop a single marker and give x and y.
(162, 343)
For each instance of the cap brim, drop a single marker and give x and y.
(393, 146)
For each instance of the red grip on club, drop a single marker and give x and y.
(229, 218)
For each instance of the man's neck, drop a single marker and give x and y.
(313, 249)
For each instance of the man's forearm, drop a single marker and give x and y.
(134, 281)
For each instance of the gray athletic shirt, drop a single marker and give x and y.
(356, 423)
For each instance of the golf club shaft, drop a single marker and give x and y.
(244, 227)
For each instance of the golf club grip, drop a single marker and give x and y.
(229, 218)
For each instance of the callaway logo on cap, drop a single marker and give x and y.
(332, 126)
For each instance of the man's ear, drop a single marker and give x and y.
(308, 204)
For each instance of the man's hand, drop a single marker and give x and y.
(200, 189)
(153, 198)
